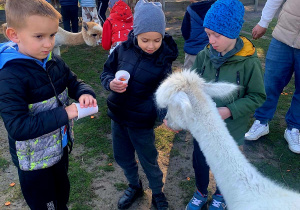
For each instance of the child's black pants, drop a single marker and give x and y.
(49, 188)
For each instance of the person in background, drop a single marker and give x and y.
(34, 103)
(282, 61)
(69, 12)
(228, 58)
(101, 8)
(117, 25)
(147, 55)
(193, 32)
(89, 11)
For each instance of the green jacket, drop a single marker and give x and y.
(244, 69)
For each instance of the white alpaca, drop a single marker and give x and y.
(90, 34)
(190, 107)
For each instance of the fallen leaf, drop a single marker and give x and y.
(7, 203)
(92, 117)
(12, 184)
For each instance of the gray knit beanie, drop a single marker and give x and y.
(148, 17)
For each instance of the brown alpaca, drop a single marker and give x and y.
(90, 34)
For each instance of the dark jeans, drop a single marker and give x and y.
(47, 188)
(101, 8)
(127, 141)
(281, 62)
(201, 170)
(70, 15)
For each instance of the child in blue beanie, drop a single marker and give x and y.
(147, 55)
(228, 58)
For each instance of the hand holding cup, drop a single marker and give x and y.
(85, 111)
(122, 76)
(119, 83)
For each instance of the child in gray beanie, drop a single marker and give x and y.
(148, 16)
(147, 56)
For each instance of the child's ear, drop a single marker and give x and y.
(12, 35)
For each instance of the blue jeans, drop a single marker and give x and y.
(201, 170)
(128, 140)
(281, 62)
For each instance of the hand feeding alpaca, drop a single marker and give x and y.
(190, 107)
(90, 34)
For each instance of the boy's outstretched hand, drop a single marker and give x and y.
(117, 86)
(224, 112)
(87, 100)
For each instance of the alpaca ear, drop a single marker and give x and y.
(219, 89)
(182, 101)
(4, 27)
(85, 26)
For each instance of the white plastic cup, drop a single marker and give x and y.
(122, 76)
(83, 112)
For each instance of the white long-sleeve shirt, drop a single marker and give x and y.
(269, 12)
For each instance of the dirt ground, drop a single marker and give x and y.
(175, 169)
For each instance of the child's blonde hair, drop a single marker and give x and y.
(17, 11)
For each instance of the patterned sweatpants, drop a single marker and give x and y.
(90, 14)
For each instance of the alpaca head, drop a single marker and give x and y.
(92, 33)
(179, 92)
(4, 27)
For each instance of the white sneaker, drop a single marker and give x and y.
(293, 139)
(256, 131)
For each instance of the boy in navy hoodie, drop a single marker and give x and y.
(35, 86)
(195, 38)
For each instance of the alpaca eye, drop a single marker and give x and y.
(94, 35)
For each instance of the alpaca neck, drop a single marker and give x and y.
(64, 37)
(222, 154)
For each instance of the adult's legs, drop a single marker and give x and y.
(66, 17)
(74, 18)
(293, 115)
(189, 61)
(102, 7)
(278, 72)
(90, 14)
(124, 152)
(143, 142)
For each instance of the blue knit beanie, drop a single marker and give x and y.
(225, 17)
(148, 17)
